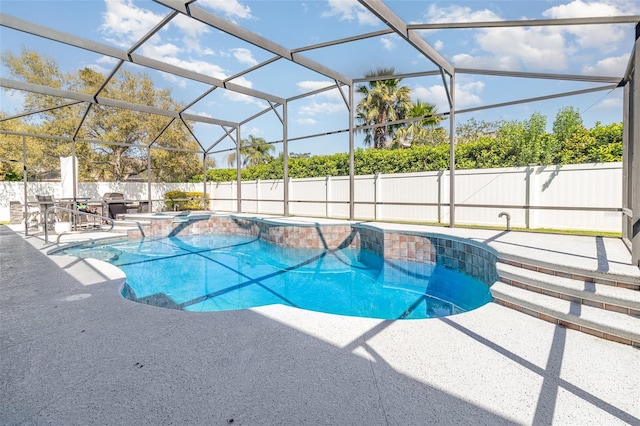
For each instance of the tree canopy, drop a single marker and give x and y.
(111, 143)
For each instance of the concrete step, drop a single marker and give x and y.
(604, 296)
(607, 324)
(630, 281)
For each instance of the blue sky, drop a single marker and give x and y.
(595, 50)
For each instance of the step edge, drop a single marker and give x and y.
(581, 294)
(612, 277)
(562, 316)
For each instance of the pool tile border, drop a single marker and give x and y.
(472, 258)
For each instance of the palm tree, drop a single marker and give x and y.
(383, 101)
(253, 151)
(417, 132)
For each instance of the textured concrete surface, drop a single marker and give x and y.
(72, 351)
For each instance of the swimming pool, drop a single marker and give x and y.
(227, 272)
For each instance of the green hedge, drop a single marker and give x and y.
(482, 153)
(184, 200)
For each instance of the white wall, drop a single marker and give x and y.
(14, 191)
(584, 185)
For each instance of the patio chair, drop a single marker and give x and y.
(33, 212)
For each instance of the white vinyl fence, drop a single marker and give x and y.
(581, 197)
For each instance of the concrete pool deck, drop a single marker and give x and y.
(73, 351)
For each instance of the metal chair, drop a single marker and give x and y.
(33, 212)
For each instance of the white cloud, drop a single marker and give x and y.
(553, 48)
(594, 36)
(201, 114)
(467, 94)
(534, 48)
(174, 80)
(255, 131)
(437, 14)
(124, 23)
(582, 9)
(240, 97)
(321, 108)
(350, 10)
(107, 60)
(306, 121)
(190, 27)
(387, 43)
(433, 95)
(615, 66)
(609, 104)
(193, 32)
(242, 81)
(464, 60)
(158, 51)
(98, 68)
(313, 108)
(310, 86)
(104, 64)
(201, 67)
(244, 56)
(230, 8)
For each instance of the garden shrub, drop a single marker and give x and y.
(182, 200)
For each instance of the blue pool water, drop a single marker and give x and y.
(227, 272)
